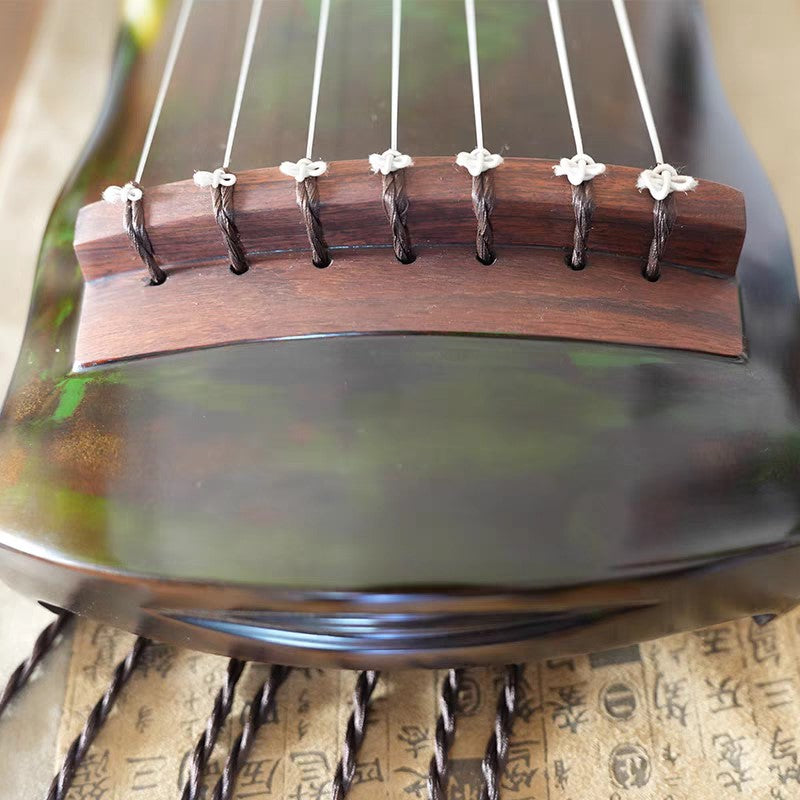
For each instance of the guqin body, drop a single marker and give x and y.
(436, 463)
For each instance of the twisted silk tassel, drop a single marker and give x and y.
(445, 733)
(354, 735)
(395, 204)
(664, 215)
(260, 708)
(308, 202)
(41, 647)
(97, 717)
(583, 206)
(205, 744)
(483, 204)
(222, 201)
(494, 760)
(133, 219)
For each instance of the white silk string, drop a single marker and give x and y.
(663, 179)
(392, 159)
(480, 159)
(305, 167)
(580, 167)
(115, 194)
(221, 176)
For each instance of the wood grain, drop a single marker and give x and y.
(528, 292)
(533, 208)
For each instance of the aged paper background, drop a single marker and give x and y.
(690, 714)
(715, 713)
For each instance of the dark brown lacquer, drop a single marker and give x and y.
(435, 463)
(527, 292)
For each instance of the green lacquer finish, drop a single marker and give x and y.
(356, 463)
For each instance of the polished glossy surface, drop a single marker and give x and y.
(257, 476)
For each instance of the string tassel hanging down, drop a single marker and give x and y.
(220, 181)
(306, 171)
(581, 168)
(445, 734)
(59, 788)
(392, 164)
(131, 194)
(261, 707)
(663, 179)
(479, 161)
(44, 643)
(354, 735)
(223, 703)
(494, 760)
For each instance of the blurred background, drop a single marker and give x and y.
(53, 71)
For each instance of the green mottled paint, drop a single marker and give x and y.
(73, 389)
(65, 308)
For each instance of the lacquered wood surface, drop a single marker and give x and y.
(370, 468)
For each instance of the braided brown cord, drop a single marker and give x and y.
(494, 760)
(354, 735)
(133, 219)
(260, 708)
(41, 647)
(205, 744)
(308, 201)
(95, 721)
(483, 205)
(222, 202)
(445, 733)
(583, 206)
(395, 204)
(663, 220)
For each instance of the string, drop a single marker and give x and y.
(472, 43)
(638, 78)
(580, 167)
(166, 77)
(566, 76)
(396, 21)
(480, 159)
(664, 178)
(322, 31)
(244, 71)
(392, 160)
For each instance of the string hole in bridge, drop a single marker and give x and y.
(238, 271)
(322, 264)
(581, 265)
(487, 262)
(154, 282)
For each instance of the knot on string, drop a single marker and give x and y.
(304, 168)
(213, 180)
(121, 194)
(478, 161)
(579, 168)
(664, 179)
(389, 161)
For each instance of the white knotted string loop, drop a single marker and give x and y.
(389, 161)
(478, 161)
(304, 168)
(212, 180)
(121, 194)
(579, 168)
(664, 179)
